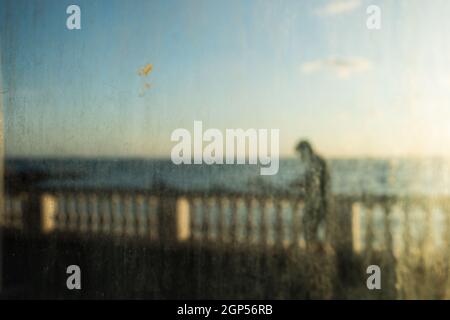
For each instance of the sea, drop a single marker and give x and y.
(402, 176)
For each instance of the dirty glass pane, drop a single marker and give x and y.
(225, 149)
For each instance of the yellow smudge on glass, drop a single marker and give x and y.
(146, 70)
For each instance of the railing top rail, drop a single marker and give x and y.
(369, 199)
(267, 193)
(169, 191)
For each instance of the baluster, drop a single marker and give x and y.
(117, 215)
(250, 223)
(279, 230)
(370, 234)
(48, 206)
(76, 213)
(221, 234)
(446, 209)
(355, 227)
(182, 219)
(20, 215)
(17, 213)
(152, 218)
(106, 215)
(234, 219)
(10, 212)
(141, 217)
(388, 240)
(206, 218)
(192, 218)
(296, 222)
(60, 214)
(212, 218)
(71, 212)
(128, 216)
(66, 210)
(427, 236)
(195, 219)
(264, 227)
(388, 253)
(93, 219)
(9, 219)
(82, 213)
(3, 213)
(407, 228)
(21, 210)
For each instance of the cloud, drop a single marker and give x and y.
(336, 7)
(342, 67)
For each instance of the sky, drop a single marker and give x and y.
(309, 68)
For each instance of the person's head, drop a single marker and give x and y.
(305, 150)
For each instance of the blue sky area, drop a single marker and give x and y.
(309, 68)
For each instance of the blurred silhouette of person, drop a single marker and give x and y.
(315, 185)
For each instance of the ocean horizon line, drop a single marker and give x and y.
(161, 158)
